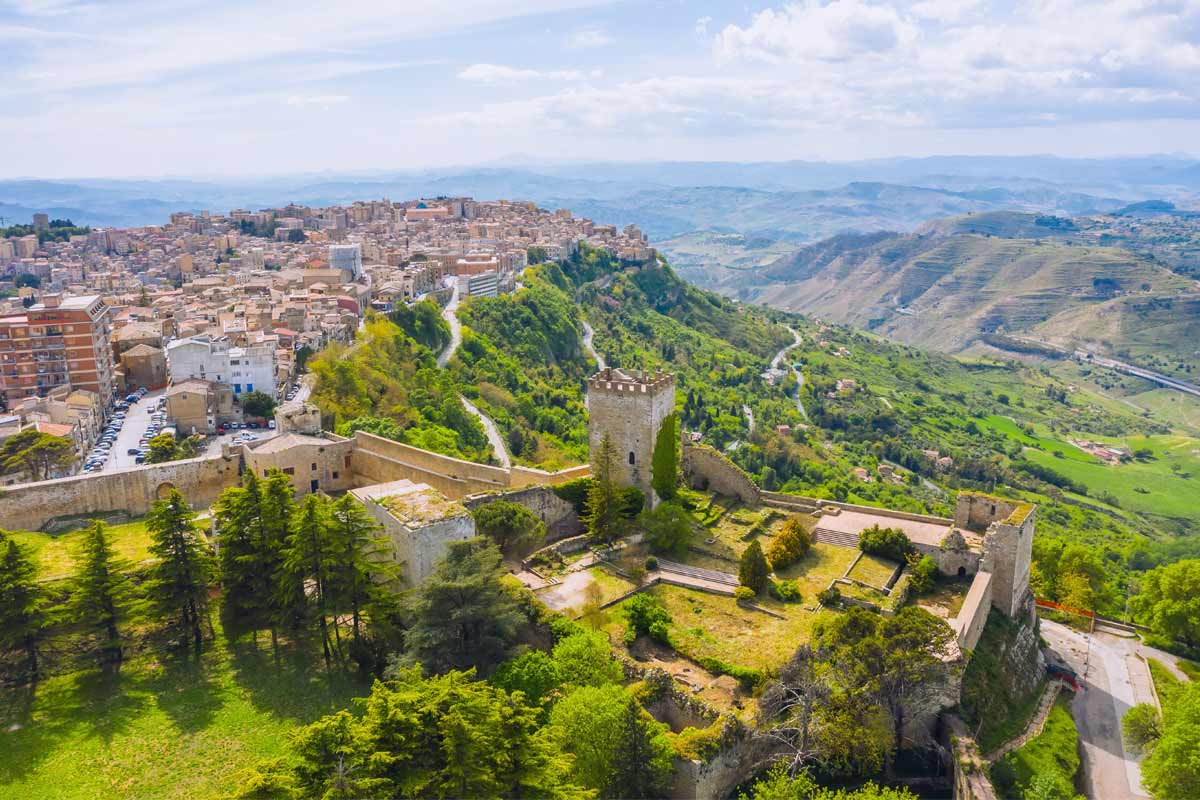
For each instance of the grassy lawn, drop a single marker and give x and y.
(1189, 668)
(709, 625)
(1053, 752)
(873, 570)
(1012, 430)
(611, 584)
(946, 596)
(160, 729)
(56, 552)
(814, 572)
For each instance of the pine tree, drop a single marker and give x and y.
(603, 515)
(22, 617)
(310, 556)
(360, 555)
(664, 465)
(641, 759)
(102, 594)
(753, 570)
(183, 571)
(286, 601)
(242, 568)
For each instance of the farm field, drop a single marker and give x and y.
(1153, 486)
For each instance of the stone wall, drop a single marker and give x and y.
(379, 460)
(706, 469)
(972, 617)
(31, 506)
(312, 464)
(559, 515)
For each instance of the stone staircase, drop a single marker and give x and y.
(839, 538)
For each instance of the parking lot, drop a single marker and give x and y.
(137, 420)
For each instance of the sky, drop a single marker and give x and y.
(228, 87)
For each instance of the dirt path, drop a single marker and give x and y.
(778, 359)
(589, 337)
(492, 432)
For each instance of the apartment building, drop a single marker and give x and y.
(244, 369)
(59, 342)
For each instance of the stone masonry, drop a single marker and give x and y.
(631, 410)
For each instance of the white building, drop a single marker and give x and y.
(244, 369)
(347, 257)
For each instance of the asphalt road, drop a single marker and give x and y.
(1116, 679)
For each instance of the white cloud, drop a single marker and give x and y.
(498, 73)
(837, 31)
(316, 99)
(702, 26)
(588, 39)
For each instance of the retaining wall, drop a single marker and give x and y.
(559, 515)
(30, 506)
(705, 468)
(972, 617)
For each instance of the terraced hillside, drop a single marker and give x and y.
(956, 281)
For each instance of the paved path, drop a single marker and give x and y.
(749, 412)
(589, 336)
(448, 314)
(1112, 682)
(492, 432)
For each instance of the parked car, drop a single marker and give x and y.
(133, 451)
(141, 459)
(271, 424)
(132, 398)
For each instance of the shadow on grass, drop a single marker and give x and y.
(35, 720)
(184, 690)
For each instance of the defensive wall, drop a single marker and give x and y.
(30, 506)
(560, 516)
(378, 460)
(707, 469)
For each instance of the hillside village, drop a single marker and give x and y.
(752, 558)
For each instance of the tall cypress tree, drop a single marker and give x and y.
(603, 514)
(22, 605)
(664, 464)
(753, 570)
(641, 757)
(102, 595)
(287, 603)
(360, 554)
(242, 568)
(310, 556)
(183, 571)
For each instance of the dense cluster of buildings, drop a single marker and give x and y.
(218, 305)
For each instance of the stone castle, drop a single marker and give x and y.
(630, 410)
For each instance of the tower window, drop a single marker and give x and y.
(631, 459)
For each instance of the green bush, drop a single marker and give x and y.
(647, 615)
(890, 543)
(787, 591)
(923, 572)
(791, 545)
(651, 563)
(753, 571)
(743, 594)
(575, 492)
(829, 597)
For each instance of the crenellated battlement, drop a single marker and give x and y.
(611, 380)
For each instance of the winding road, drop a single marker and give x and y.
(489, 427)
(778, 359)
(589, 336)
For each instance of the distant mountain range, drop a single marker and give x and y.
(795, 201)
(974, 281)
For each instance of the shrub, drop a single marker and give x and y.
(647, 615)
(743, 594)
(651, 563)
(753, 570)
(630, 501)
(787, 591)
(575, 492)
(890, 543)
(668, 528)
(829, 597)
(791, 545)
(922, 573)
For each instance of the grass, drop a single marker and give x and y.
(815, 571)
(873, 570)
(945, 594)
(713, 626)
(1154, 486)
(1013, 723)
(55, 552)
(160, 729)
(1165, 682)
(611, 585)
(1012, 430)
(1189, 668)
(1054, 752)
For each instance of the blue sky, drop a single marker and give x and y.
(171, 87)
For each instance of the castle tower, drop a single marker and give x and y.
(1007, 526)
(631, 410)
